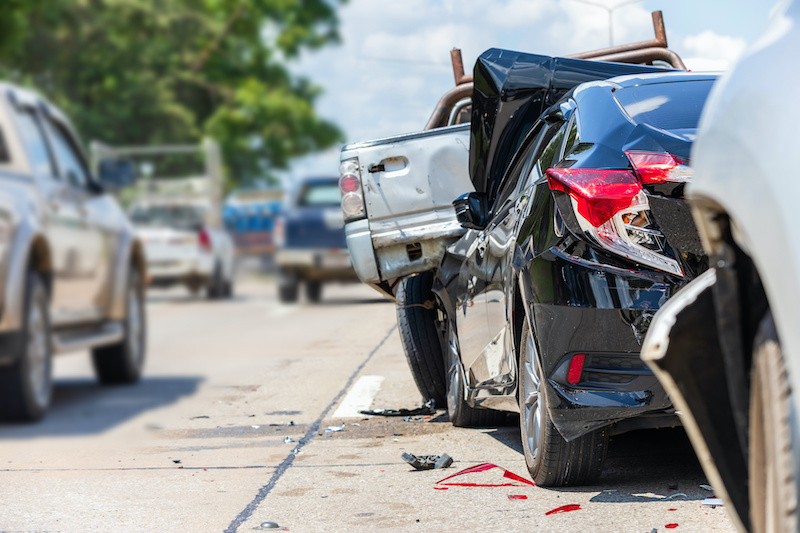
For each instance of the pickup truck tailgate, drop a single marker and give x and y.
(409, 183)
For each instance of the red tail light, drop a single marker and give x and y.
(658, 167)
(575, 369)
(204, 239)
(599, 194)
(611, 207)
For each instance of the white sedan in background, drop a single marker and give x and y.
(184, 248)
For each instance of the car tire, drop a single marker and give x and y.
(416, 321)
(551, 460)
(288, 286)
(314, 291)
(216, 286)
(773, 495)
(26, 386)
(123, 362)
(462, 414)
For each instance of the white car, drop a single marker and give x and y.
(183, 248)
(727, 346)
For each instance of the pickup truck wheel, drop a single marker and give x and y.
(26, 386)
(552, 461)
(460, 412)
(123, 362)
(416, 320)
(314, 291)
(288, 285)
(773, 495)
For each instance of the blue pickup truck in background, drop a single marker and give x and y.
(311, 241)
(249, 216)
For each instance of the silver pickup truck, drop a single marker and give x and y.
(71, 269)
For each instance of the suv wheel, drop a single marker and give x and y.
(216, 285)
(314, 291)
(26, 386)
(288, 285)
(773, 495)
(416, 321)
(552, 461)
(123, 362)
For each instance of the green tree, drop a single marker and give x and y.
(170, 71)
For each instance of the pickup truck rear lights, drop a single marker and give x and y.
(352, 195)
(659, 167)
(611, 207)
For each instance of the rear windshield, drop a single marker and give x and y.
(321, 195)
(668, 106)
(169, 216)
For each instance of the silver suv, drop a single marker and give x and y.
(71, 269)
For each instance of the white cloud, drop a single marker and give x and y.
(709, 51)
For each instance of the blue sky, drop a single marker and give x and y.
(393, 63)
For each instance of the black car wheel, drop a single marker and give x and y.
(288, 286)
(461, 413)
(26, 386)
(416, 320)
(216, 285)
(773, 495)
(314, 291)
(552, 461)
(123, 362)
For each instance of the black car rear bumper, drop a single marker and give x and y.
(602, 312)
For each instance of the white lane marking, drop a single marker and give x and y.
(359, 398)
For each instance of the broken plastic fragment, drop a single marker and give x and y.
(707, 487)
(287, 440)
(564, 509)
(333, 429)
(428, 408)
(673, 509)
(440, 488)
(671, 526)
(713, 501)
(671, 496)
(515, 480)
(427, 462)
(176, 461)
(269, 526)
(517, 497)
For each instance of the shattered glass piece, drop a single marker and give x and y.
(427, 462)
(334, 429)
(713, 502)
(677, 494)
(429, 408)
(707, 487)
(514, 479)
(564, 509)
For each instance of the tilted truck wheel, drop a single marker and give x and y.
(551, 460)
(314, 291)
(26, 386)
(773, 494)
(123, 362)
(416, 320)
(460, 412)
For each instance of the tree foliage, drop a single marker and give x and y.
(171, 71)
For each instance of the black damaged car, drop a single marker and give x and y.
(577, 234)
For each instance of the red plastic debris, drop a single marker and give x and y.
(672, 509)
(440, 488)
(671, 526)
(517, 497)
(516, 481)
(564, 509)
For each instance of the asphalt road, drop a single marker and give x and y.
(228, 430)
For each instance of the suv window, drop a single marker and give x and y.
(668, 106)
(69, 159)
(32, 136)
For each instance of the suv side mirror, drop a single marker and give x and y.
(117, 174)
(472, 210)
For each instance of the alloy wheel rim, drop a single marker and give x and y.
(38, 354)
(532, 405)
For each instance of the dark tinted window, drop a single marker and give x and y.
(30, 131)
(5, 157)
(321, 195)
(69, 160)
(669, 106)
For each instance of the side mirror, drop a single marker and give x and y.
(117, 174)
(472, 210)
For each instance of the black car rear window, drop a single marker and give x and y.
(668, 106)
